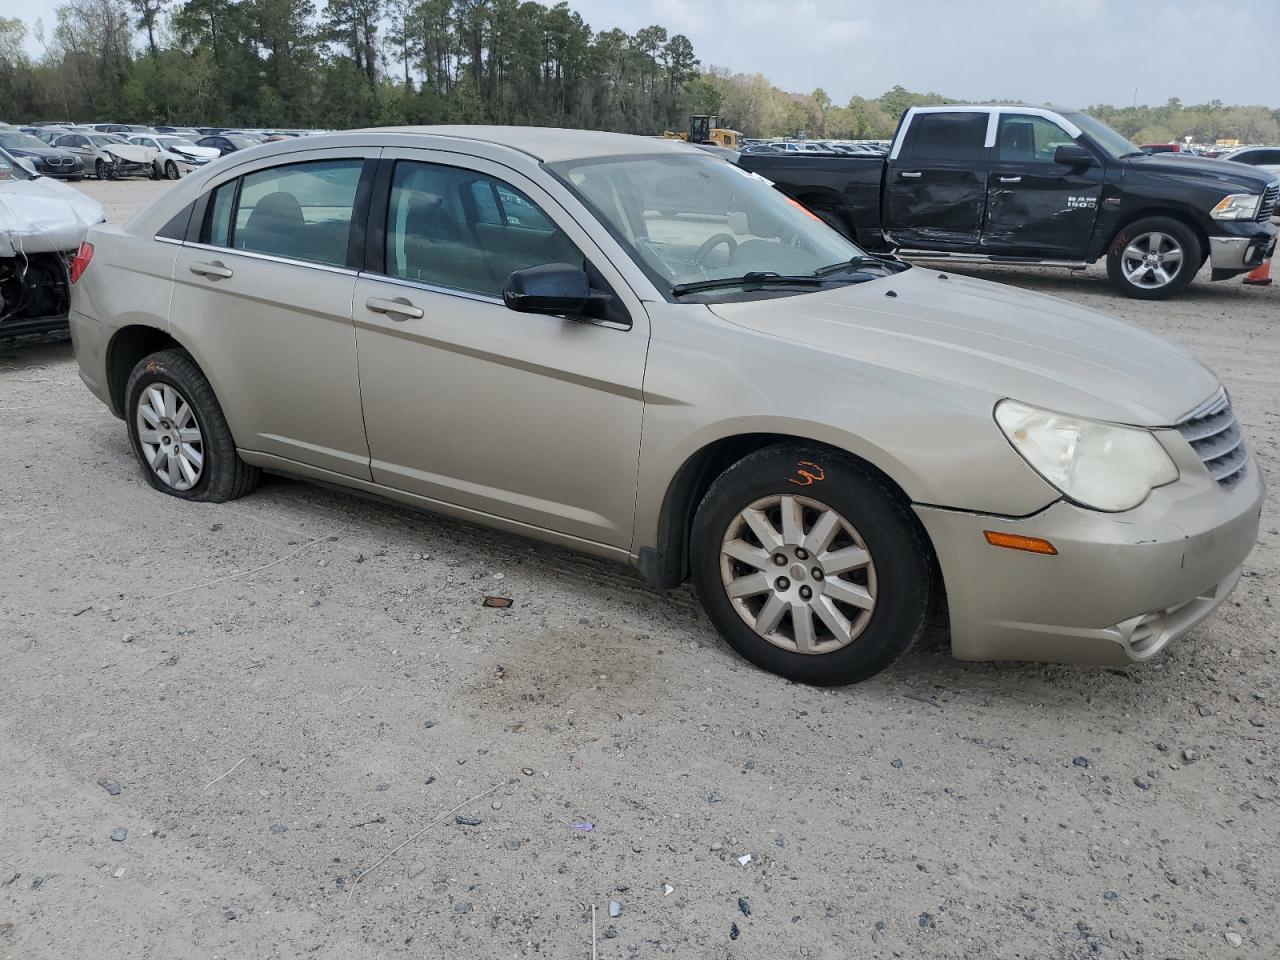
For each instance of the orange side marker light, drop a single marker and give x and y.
(1016, 541)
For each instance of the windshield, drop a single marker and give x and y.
(21, 141)
(690, 219)
(1114, 143)
(175, 142)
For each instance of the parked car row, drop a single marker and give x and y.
(109, 151)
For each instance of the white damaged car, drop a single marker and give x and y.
(108, 156)
(176, 155)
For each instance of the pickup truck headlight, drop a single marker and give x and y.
(1103, 466)
(1237, 206)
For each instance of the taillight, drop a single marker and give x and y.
(80, 262)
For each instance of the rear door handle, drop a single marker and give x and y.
(214, 271)
(909, 175)
(1010, 179)
(398, 309)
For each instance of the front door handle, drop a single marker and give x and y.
(1010, 179)
(909, 175)
(214, 270)
(398, 309)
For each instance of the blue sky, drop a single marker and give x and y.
(1070, 52)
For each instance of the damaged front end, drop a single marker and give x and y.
(41, 225)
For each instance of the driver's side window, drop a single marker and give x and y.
(1025, 138)
(463, 230)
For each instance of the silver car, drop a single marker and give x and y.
(637, 350)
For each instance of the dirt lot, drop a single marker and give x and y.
(270, 696)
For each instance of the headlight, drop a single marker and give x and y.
(1236, 206)
(1100, 465)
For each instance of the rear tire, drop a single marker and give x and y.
(853, 589)
(179, 433)
(1154, 258)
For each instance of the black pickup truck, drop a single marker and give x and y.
(1009, 184)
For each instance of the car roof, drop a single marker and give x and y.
(546, 144)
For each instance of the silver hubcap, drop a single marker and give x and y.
(1151, 260)
(798, 574)
(170, 436)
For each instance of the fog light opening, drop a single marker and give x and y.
(1015, 541)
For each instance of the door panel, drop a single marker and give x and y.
(264, 300)
(531, 418)
(1036, 207)
(936, 189)
(277, 343)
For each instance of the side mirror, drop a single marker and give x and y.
(1072, 155)
(556, 289)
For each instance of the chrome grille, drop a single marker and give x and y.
(1270, 200)
(1215, 436)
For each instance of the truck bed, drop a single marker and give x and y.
(843, 190)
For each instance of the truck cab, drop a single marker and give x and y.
(1018, 184)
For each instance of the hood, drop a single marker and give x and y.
(131, 152)
(42, 216)
(38, 152)
(1226, 172)
(995, 339)
(194, 151)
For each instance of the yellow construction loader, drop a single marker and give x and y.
(705, 129)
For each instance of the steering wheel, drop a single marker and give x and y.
(711, 243)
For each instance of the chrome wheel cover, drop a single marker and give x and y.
(1151, 260)
(798, 574)
(169, 435)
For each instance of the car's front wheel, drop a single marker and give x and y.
(1154, 258)
(179, 433)
(170, 170)
(101, 170)
(810, 566)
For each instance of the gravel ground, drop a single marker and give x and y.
(216, 717)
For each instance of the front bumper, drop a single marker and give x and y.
(1122, 587)
(70, 171)
(1241, 247)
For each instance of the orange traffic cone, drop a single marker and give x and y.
(1260, 277)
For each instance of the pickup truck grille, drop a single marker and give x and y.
(1215, 436)
(1270, 200)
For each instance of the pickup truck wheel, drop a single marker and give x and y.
(179, 434)
(809, 566)
(1154, 258)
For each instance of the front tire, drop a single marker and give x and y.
(100, 170)
(1154, 258)
(810, 566)
(179, 433)
(170, 170)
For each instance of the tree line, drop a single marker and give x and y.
(289, 63)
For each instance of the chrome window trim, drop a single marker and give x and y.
(473, 296)
(269, 257)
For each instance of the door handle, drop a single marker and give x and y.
(1010, 179)
(398, 309)
(909, 175)
(214, 271)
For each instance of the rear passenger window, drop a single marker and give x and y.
(947, 136)
(459, 229)
(301, 211)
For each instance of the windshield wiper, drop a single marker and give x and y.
(855, 263)
(762, 278)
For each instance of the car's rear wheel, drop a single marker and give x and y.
(810, 566)
(1153, 259)
(179, 433)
